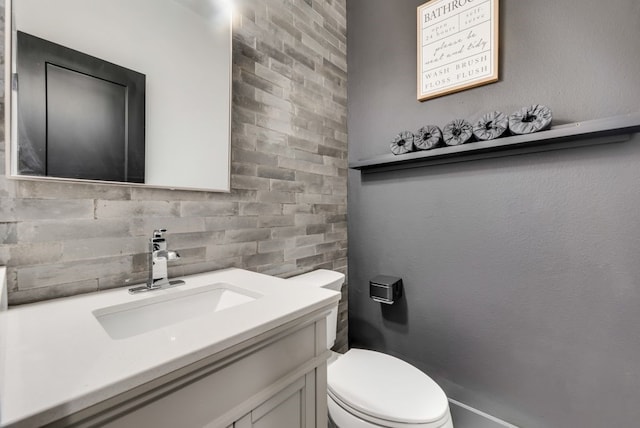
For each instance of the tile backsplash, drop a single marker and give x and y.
(286, 213)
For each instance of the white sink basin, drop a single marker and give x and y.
(162, 310)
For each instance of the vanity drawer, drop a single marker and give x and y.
(231, 386)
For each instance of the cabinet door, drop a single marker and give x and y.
(292, 407)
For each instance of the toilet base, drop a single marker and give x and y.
(340, 418)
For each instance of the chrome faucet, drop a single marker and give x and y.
(158, 258)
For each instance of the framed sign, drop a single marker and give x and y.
(457, 46)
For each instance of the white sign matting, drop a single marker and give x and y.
(457, 46)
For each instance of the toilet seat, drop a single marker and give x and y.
(343, 418)
(386, 391)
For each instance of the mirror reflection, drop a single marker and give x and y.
(122, 90)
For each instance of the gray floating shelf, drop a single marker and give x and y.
(598, 131)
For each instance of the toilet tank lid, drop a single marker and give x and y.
(386, 388)
(324, 278)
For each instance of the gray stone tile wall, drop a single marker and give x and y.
(285, 215)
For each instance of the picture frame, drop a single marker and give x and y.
(457, 46)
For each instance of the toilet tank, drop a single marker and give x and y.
(330, 280)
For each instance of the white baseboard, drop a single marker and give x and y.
(483, 414)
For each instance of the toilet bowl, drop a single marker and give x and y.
(368, 389)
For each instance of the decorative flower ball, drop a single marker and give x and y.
(402, 143)
(491, 126)
(530, 119)
(457, 132)
(428, 137)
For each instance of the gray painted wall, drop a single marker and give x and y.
(286, 213)
(521, 274)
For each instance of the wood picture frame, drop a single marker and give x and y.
(457, 46)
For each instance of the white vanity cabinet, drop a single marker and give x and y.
(276, 379)
(294, 406)
(259, 363)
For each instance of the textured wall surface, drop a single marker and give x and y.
(521, 274)
(286, 213)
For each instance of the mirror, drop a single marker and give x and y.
(182, 48)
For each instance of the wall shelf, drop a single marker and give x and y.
(598, 131)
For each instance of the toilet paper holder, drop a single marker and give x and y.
(385, 289)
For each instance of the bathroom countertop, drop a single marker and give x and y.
(56, 358)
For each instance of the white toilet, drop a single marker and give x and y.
(368, 389)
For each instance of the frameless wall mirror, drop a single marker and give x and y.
(120, 91)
